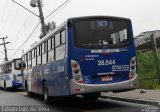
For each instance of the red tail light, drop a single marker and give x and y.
(80, 81)
(74, 65)
(76, 71)
(133, 67)
(133, 61)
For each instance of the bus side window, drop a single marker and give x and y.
(40, 49)
(30, 59)
(40, 52)
(33, 54)
(43, 48)
(57, 39)
(63, 36)
(49, 44)
(60, 50)
(51, 51)
(27, 60)
(37, 51)
(53, 44)
(46, 49)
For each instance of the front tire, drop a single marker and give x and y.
(28, 92)
(5, 87)
(46, 97)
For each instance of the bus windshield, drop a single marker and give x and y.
(99, 33)
(16, 64)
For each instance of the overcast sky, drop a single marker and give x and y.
(17, 23)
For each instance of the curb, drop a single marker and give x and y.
(140, 101)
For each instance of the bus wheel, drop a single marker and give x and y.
(91, 96)
(28, 92)
(5, 88)
(46, 98)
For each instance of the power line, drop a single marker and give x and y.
(57, 9)
(2, 28)
(3, 12)
(26, 40)
(1, 52)
(60, 10)
(39, 23)
(13, 20)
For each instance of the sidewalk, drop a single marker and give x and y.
(151, 97)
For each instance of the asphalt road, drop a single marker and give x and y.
(70, 104)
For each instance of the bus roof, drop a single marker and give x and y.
(5, 62)
(46, 37)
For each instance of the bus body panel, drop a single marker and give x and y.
(55, 76)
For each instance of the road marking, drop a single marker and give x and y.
(22, 93)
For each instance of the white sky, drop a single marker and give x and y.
(145, 16)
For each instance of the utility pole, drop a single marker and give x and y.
(4, 44)
(44, 32)
(37, 3)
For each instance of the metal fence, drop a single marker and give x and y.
(148, 58)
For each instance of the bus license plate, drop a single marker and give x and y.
(106, 78)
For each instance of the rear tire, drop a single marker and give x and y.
(46, 97)
(91, 96)
(28, 92)
(5, 88)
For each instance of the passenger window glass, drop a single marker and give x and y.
(52, 42)
(43, 48)
(57, 39)
(40, 49)
(63, 36)
(33, 55)
(60, 52)
(49, 44)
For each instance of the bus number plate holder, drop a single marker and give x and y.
(106, 78)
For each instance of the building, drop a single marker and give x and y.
(144, 37)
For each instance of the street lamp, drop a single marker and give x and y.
(34, 3)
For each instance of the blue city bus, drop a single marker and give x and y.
(83, 56)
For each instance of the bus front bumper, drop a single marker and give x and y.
(16, 84)
(78, 88)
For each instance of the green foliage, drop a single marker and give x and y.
(148, 77)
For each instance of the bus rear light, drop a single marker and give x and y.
(133, 61)
(77, 89)
(77, 77)
(76, 71)
(74, 65)
(133, 67)
(131, 77)
(80, 81)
